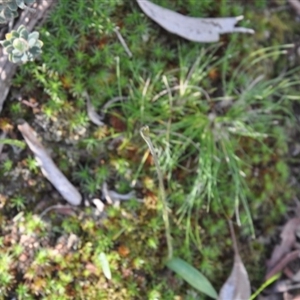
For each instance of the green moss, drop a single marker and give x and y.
(213, 128)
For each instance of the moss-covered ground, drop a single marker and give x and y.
(221, 118)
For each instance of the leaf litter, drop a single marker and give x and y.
(284, 258)
(205, 30)
(237, 286)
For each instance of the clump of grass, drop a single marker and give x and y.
(196, 128)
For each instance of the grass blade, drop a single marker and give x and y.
(105, 265)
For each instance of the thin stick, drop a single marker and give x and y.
(233, 237)
(122, 41)
(144, 131)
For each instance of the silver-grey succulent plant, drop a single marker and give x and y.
(22, 46)
(8, 8)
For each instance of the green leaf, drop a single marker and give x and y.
(7, 13)
(9, 49)
(24, 58)
(21, 4)
(35, 51)
(192, 276)
(24, 33)
(11, 142)
(5, 43)
(21, 28)
(15, 59)
(2, 20)
(39, 44)
(16, 52)
(105, 265)
(12, 5)
(14, 34)
(21, 45)
(34, 35)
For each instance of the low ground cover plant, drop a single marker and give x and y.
(219, 118)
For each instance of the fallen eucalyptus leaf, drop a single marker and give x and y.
(204, 30)
(237, 286)
(192, 276)
(48, 167)
(288, 239)
(105, 265)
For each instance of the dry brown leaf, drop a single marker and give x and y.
(205, 30)
(48, 167)
(288, 239)
(237, 286)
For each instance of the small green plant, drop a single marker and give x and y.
(8, 9)
(6, 277)
(21, 45)
(7, 165)
(18, 202)
(32, 164)
(23, 292)
(182, 268)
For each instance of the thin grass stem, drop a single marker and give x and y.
(144, 131)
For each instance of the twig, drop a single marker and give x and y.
(48, 167)
(92, 114)
(122, 41)
(111, 101)
(282, 263)
(58, 206)
(112, 196)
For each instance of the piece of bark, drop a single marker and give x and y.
(48, 167)
(30, 20)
